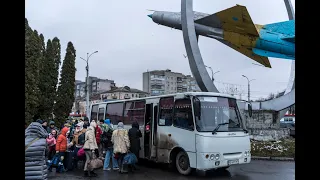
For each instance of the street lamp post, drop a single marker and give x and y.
(248, 86)
(212, 74)
(87, 80)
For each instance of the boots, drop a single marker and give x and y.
(124, 168)
(92, 174)
(86, 174)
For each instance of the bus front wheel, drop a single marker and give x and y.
(182, 163)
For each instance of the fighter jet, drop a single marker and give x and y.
(234, 28)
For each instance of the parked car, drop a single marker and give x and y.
(288, 121)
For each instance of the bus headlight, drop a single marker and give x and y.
(246, 153)
(217, 157)
(212, 157)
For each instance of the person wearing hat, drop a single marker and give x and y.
(43, 123)
(121, 145)
(86, 121)
(52, 126)
(78, 141)
(89, 147)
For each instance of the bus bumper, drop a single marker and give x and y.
(205, 163)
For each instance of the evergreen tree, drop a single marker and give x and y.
(47, 90)
(56, 49)
(32, 57)
(65, 93)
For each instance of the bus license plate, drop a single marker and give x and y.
(233, 162)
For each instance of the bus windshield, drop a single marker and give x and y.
(215, 111)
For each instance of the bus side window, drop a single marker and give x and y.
(183, 114)
(115, 112)
(101, 114)
(134, 111)
(166, 111)
(94, 112)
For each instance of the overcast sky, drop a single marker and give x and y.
(129, 43)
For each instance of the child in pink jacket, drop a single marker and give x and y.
(51, 141)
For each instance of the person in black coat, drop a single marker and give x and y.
(134, 136)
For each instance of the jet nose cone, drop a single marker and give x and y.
(150, 16)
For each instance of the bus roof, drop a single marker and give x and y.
(167, 95)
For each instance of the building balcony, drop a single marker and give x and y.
(157, 83)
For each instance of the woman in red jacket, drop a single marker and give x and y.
(98, 139)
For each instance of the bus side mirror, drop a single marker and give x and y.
(250, 110)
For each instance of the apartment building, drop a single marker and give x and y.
(161, 82)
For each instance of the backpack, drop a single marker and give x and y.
(106, 138)
(81, 139)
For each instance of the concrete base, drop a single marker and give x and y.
(273, 158)
(269, 134)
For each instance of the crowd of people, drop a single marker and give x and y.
(77, 144)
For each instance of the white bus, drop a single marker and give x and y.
(193, 130)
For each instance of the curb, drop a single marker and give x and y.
(273, 158)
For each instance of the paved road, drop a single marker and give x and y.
(262, 170)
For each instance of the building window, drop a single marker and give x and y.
(132, 95)
(183, 114)
(114, 112)
(166, 111)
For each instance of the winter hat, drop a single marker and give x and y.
(93, 124)
(120, 125)
(39, 121)
(52, 123)
(107, 121)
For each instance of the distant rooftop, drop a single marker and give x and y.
(125, 89)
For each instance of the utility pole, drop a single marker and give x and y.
(248, 86)
(212, 74)
(87, 81)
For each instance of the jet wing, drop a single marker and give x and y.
(249, 53)
(235, 19)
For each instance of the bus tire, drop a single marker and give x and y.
(182, 163)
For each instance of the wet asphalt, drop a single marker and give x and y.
(256, 170)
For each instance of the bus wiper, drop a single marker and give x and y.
(216, 129)
(246, 131)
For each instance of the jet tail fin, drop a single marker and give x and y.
(234, 19)
(240, 33)
(249, 53)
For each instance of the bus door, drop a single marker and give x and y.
(148, 130)
(154, 130)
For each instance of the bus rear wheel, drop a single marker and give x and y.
(182, 163)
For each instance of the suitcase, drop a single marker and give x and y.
(68, 160)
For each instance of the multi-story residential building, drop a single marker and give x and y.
(160, 82)
(123, 93)
(96, 86)
(80, 89)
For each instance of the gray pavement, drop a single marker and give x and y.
(256, 170)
